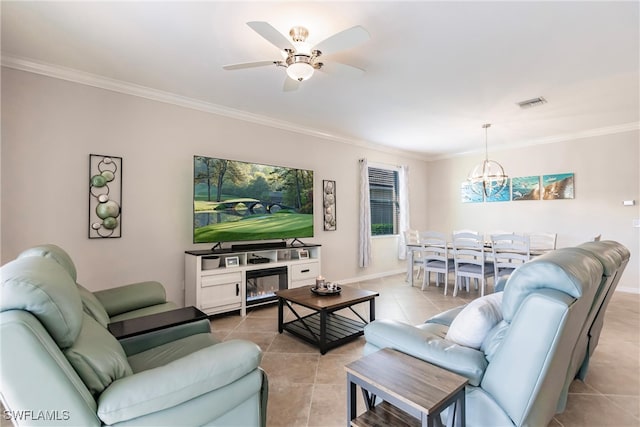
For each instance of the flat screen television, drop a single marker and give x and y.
(241, 201)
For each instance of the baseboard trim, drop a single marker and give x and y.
(373, 276)
(628, 290)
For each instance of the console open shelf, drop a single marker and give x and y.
(215, 280)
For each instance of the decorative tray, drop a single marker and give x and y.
(324, 291)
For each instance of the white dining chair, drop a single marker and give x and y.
(412, 242)
(509, 251)
(542, 242)
(470, 261)
(435, 258)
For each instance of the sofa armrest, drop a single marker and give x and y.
(446, 317)
(131, 297)
(184, 379)
(425, 345)
(139, 343)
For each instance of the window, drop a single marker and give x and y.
(383, 194)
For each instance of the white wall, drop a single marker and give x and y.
(50, 126)
(606, 173)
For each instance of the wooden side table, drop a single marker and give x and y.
(414, 392)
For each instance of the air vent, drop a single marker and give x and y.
(535, 102)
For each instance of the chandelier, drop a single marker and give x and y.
(488, 177)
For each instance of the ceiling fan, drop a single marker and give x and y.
(300, 58)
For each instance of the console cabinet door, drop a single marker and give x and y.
(221, 291)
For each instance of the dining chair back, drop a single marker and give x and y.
(435, 258)
(542, 242)
(470, 261)
(412, 239)
(509, 251)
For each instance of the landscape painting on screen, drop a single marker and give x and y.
(239, 201)
(558, 186)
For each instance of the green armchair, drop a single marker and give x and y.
(60, 366)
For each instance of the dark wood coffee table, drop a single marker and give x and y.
(324, 327)
(414, 392)
(154, 322)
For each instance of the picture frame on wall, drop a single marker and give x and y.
(329, 205)
(525, 188)
(558, 186)
(105, 196)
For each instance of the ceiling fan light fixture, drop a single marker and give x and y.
(300, 71)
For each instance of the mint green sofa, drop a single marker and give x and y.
(540, 332)
(60, 366)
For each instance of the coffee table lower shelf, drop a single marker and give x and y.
(385, 414)
(339, 329)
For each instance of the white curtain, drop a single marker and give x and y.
(364, 240)
(403, 217)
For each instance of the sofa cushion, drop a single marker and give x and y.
(473, 323)
(56, 253)
(43, 288)
(92, 306)
(167, 353)
(97, 356)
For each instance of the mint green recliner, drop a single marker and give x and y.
(59, 366)
(110, 305)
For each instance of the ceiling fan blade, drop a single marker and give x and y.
(342, 70)
(343, 40)
(270, 34)
(247, 65)
(290, 85)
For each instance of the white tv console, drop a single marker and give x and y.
(223, 289)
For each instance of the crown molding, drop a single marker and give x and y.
(589, 133)
(127, 88)
(102, 82)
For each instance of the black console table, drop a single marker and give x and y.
(154, 322)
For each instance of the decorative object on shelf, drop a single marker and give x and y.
(333, 290)
(303, 254)
(329, 204)
(525, 188)
(232, 261)
(105, 195)
(558, 186)
(488, 177)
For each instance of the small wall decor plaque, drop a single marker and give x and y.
(329, 204)
(105, 196)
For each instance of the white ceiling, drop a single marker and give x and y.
(436, 71)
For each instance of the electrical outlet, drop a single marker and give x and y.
(636, 222)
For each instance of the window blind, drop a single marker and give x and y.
(383, 192)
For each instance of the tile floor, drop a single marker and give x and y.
(309, 389)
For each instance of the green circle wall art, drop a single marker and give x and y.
(105, 196)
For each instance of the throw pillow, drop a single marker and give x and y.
(474, 322)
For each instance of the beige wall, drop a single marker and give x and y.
(606, 173)
(50, 126)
